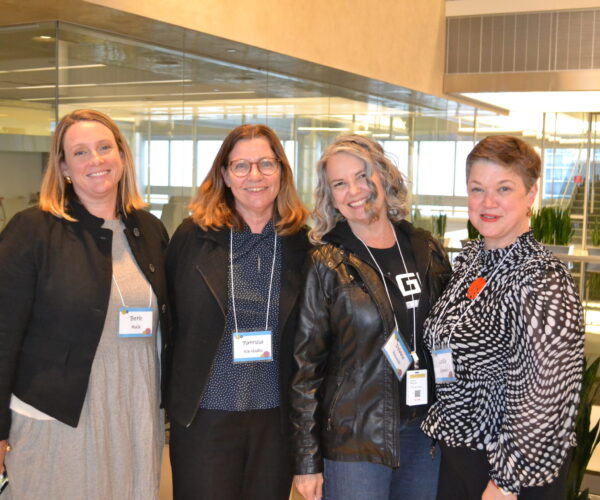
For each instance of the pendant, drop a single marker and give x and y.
(475, 287)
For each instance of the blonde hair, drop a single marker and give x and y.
(213, 207)
(371, 154)
(56, 192)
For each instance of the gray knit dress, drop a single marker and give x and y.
(115, 451)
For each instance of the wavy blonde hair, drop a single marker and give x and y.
(213, 207)
(56, 192)
(371, 154)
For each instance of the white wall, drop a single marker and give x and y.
(20, 174)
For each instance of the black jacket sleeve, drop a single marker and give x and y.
(18, 274)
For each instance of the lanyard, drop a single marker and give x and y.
(232, 288)
(414, 351)
(460, 317)
(121, 295)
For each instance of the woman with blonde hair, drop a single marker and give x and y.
(363, 380)
(233, 273)
(82, 291)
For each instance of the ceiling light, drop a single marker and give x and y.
(325, 129)
(53, 68)
(43, 38)
(91, 98)
(106, 84)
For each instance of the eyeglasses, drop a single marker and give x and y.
(242, 167)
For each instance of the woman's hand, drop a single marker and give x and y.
(493, 493)
(3, 450)
(310, 486)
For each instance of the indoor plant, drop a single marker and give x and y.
(587, 439)
(551, 226)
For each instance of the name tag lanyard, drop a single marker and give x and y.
(121, 295)
(437, 344)
(135, 321)
(414, 350)
(232, 285)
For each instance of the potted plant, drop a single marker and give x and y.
(472, 233)
(438, 223)
(421, 222)
(552, 227)
(587, 438)
(595, 248)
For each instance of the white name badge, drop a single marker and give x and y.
(416, 387)
(135, 322)
(443, 366)
(252, 346)
(397, 354)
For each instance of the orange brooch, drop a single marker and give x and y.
(475, 287)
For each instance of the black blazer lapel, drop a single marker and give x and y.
(212, 263)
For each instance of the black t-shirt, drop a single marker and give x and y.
(392, 266)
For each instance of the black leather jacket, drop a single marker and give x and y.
(345, 398)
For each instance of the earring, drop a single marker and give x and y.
(68, 179)
(529, 213)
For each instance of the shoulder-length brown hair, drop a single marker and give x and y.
(55, 192)
(213, 206)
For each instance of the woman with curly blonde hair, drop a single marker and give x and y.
(363, 380)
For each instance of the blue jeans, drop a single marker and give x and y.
(415, 479)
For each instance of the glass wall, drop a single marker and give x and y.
(176, 106)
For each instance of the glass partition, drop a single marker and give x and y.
(176, 106)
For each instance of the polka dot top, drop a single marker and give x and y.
(255, 385)
(518, 354)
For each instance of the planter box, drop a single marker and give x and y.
(595, 268)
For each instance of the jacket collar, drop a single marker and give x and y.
(342, 236)
(76, 209)
(213, 260)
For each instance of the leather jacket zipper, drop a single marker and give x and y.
(336, 397)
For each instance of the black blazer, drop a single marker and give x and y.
(55, 280)
(197, 263)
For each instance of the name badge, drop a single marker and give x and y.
(252, 346)
(135, 322)
(443, 366)
(416, 387)
(397, 354)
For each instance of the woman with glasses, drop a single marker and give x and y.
(233, 277)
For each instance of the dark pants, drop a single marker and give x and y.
(464, 475)
(231, 456)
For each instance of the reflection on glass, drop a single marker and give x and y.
(175, 106)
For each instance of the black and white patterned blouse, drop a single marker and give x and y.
(518, 354)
